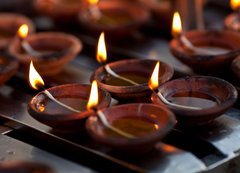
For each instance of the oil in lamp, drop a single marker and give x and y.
(204, 51)
(153, 84)
(195, 100)
(50, 51)
(116, 18)
(126, 80)
(131, 127)
(62, 107)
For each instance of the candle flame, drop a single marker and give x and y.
(34, 78)
(101, 50)
(23, 31)
(93, 2)
(93, 97)
(153, 82)
(235, 4)
(176, 24)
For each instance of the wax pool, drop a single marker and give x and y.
(133, 125)
(194, 99)
(51, 107)
(138, 78)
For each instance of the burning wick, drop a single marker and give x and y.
(235, 5)
(153, 85)
(91, 105)
(102, 58)
(23, 33)
(177, 32)
(37, 83)
(94, 10)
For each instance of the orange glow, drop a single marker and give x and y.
(176, 25)
(101, 50)
(34, 78)
(23, 31)
(153, 82)
(93, 2)
(235, 4)
(93, 97)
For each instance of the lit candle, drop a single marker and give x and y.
(177, 32)
(153, 85)
(102, 58)
(37, 83)
(92, 104)
(94, 10)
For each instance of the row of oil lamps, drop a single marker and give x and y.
(194, 100)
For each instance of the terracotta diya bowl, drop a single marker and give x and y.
(148, 123)
(226, 44)
(119, 18)
(137, 70)
(25, 167)
(232, 22)
(9, 25)
(76, 96)
(61, 10)
(57, 50)
(8, 67)
(213, 95)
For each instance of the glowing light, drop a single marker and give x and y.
(23, 31)
(235, 4)
(93, 98)
(153, 82)
(176, 25)
(101, 50)
(34, 78)
(93, 2)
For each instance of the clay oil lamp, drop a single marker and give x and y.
(130, 127)
(50, 51)
(25, 167)
(60, 10)
(195, 100)
(126, 80)
(8, 67)
(116, 18)
(232, 21)
(9, 25)
(204, 51)
(62, 107)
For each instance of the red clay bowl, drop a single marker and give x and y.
(8, 67)
(158, 115)
(208, 63)
(230, 21)
(9, 25)
(59, 118)
(68, 46)
(125, 18)
(221, 91)
(24, 167)
(136, 93)
(61, 10)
